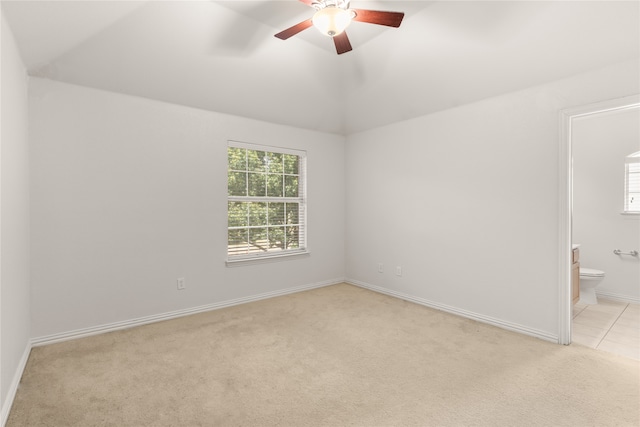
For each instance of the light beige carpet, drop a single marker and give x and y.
(334, 356)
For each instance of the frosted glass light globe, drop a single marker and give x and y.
(332, 21)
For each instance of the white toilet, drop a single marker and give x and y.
(589, 279)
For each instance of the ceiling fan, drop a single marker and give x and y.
(332, 17)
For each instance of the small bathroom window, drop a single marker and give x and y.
(632, 184)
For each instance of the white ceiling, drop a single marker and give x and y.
(222, 56)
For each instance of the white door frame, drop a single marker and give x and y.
(565, 203)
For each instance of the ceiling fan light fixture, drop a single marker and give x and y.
(331, 21)
(332, 17)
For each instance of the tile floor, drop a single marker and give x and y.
(611, 326)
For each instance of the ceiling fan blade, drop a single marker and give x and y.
(342, 43)
(379, 17)
(292, 31)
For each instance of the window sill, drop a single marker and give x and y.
(631, 214)
(267, 259)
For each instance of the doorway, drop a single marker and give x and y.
(567, 118)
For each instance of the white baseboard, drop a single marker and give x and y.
(13, 387)
(618, 297)
(459, 312)
(101, 329)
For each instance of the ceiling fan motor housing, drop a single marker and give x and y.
(321, 4)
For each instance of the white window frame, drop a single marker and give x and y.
(302, 249)
(632, 184)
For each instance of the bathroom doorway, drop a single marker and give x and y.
(567, 120)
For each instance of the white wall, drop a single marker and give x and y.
(600, 144)
(466, 201)
(129, 194)
(14, 219)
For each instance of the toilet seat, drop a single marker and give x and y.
(590, 272)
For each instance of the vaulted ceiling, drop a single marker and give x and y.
(222, 56)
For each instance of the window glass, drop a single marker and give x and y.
(266, 201)
(632, 184)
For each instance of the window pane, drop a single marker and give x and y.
(274, 185)
(274, 162)
(238, 242)
(292, 213)
(276, 238)
(290, 164)
(237, 184)
(633, 177)
(258, 239)
(257, 214)
(238, 214)
(290, 186)
(632, 185)
(257, 184)
(276, 213)
(256, 160)
(237, 158)
(292, 236)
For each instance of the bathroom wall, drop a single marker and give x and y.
(600, 144)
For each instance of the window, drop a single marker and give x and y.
(632, 183)
(266, 202)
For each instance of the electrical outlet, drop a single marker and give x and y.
(380, 268)
(182, 284)
(398, 271)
